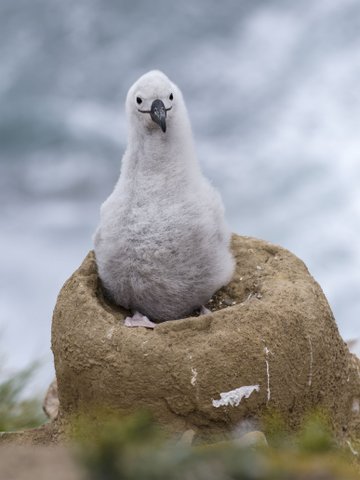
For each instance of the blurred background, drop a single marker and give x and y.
(273, 92)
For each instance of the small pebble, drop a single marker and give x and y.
(228, 302)
(187, 437)
(252, 439)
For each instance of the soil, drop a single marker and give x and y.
(38, 463)
(51, 433)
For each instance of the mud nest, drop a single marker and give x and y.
(271, 342)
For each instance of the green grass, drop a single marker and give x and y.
(16, 411)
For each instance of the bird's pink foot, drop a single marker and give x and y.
(204, 310)
(139, 320)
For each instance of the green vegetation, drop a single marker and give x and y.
(17, 413)
(132, 448)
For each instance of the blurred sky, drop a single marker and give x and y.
(273, 92)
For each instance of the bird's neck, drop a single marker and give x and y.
(160, 160)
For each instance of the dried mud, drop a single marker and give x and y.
(271, 326)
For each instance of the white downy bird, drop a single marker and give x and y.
(162, 246)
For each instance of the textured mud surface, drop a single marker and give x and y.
(271, 328)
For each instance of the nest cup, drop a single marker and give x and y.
(275, 346)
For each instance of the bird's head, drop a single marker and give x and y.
(152, 100)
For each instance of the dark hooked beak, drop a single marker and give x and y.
(158, 114)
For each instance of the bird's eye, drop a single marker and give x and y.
(171, 97)
(138, 100)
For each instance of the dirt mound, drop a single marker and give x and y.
(271, 342)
